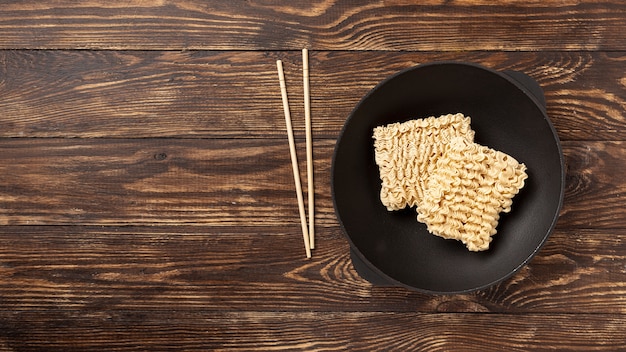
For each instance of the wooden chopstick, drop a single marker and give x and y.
(309, 145)
(294, 158)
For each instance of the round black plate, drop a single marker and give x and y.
(508, 114)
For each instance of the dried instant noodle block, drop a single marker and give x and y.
(407, 152)
(470, 187)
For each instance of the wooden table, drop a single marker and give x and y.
(147, 200)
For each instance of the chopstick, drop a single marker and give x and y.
(294, 158)
(309, 145)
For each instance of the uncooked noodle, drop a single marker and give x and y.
(459, 188)
(406, 154)
(470, 187)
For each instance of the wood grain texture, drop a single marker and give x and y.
(594, 173)
(311, 331)
(139, 94)
(222, 182)
(94, 270)
(146, 195)
(318, 25)
(228, 182)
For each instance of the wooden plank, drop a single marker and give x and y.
(311, 331)
(228, 182)
(222, 182)
(594, 188)
(138, 94)
(95, 270)
(329, 25)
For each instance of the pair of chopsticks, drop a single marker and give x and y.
(307, 234)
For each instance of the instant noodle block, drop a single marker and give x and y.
(459, 188)
(407, 152)
(469, 188)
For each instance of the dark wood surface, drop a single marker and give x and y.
(147, 199)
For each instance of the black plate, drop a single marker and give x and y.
(508, 114)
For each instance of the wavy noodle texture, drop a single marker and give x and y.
(406, 154)
(467, 190)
